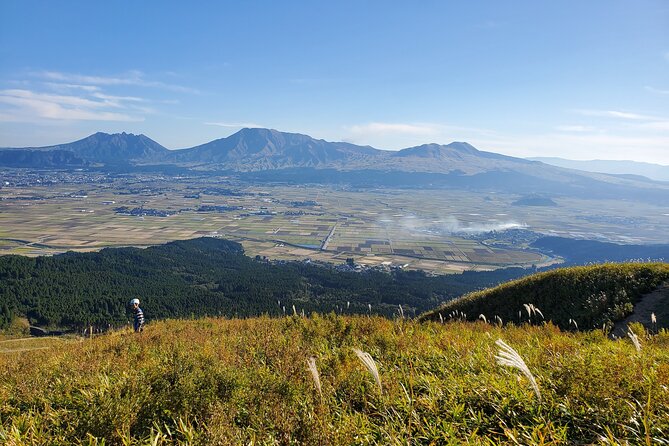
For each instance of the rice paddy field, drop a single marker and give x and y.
(423, 229)
(336, 380)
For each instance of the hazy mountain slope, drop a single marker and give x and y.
(454, 157)
(655, 172)
(581, 252)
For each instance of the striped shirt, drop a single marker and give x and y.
(139, 319)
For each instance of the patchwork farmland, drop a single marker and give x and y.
(429, 230)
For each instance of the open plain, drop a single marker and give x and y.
(438, 230)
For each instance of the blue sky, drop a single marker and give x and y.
(576, 79)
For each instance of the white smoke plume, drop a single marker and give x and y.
(452, 225)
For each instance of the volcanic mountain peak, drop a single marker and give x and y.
(280, 154)
(114, 147)
(439, 151)
(252, 148)
(257, 138)
(270, 141)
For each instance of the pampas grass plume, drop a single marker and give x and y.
(367, 360)
(634, 338)
(528, 309)
(508, 357)
(311, 362)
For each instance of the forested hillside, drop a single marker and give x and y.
(208, 276)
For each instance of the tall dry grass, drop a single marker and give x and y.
(215, 381)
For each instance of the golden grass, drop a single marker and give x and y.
(218, 381)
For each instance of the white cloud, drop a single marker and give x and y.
(384, 128)
(29, 106)
(73, 101)
(235, 125)
(656, 90)
(632, 121)
(125, 102)
(655, 125)
(67, 87)
(576, 128)
(132, 77)
(74, 97)
(117, 99)
(614, 114)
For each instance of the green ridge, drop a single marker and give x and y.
(591, 295)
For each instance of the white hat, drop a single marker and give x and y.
(134, 301)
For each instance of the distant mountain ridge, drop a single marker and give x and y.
(449, 151)
(258, 149)
(262, 149)
(657, 172)
(265, 149)
(117, 148)
(270, 155)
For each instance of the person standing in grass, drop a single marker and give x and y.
(139, 315)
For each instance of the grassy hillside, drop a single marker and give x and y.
(590, 295)
(217, 381)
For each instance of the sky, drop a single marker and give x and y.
(572, 79)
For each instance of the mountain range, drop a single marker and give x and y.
(270, 155)
(657, 172)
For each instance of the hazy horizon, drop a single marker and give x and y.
(572, 80)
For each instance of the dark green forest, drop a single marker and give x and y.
(209, 276)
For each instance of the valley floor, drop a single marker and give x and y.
(437, 230)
